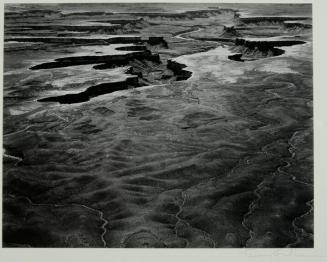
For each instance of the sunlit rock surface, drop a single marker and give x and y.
(158, 125)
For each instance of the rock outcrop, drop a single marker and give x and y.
(178, 70)
(230, 32)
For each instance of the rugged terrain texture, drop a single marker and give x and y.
(158, 126)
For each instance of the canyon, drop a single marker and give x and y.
(158, 125)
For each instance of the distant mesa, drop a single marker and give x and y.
(248, 50)
(261, 19)
(32, 14)
(290, 22)
(266, 44)
(121, 21)
(297, 24)
(86, 13)
(181, 15)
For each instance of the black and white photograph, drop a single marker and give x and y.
(158, 125)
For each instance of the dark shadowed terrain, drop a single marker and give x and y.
(157, 125)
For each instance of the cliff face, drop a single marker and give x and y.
(178, 69)
(262, 19)
(157, 40)
(255, 49)
(265, 45)
(297, 25)
(94, 91)
(110, 60)
(93, 41)
(230, 32)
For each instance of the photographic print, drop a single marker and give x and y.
(158, 125)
